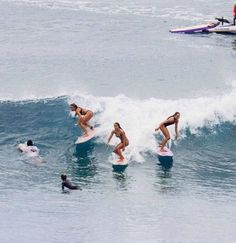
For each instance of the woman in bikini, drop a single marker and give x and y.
(174, 119)
(84, 116)
(119, 132)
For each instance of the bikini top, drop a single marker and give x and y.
(170, 122)
(82, 111)
(120, 135)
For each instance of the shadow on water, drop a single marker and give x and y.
(165, 183)
(166, 162)
(119, 169)
(83, 151)
(234, 45)
(81, 163)
(120, 179)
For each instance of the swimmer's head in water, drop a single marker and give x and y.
(63, 177)
(29, 143)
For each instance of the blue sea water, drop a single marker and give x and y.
(118, 59)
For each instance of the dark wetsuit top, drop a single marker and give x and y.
(68, 184)
(166, 124)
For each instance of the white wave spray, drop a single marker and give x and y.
(139, 118)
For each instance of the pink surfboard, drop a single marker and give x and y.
(83, 139)
(117, 162)
(167, 153)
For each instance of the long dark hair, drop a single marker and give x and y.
(118, 124)
(176, 113)
(74, 105)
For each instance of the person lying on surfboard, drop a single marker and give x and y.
(174, 119)
(29, 148)
(119, 132)
(66, 183)
(84, 116)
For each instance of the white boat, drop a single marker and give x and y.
(222, 26)
(224, 29)
(196, 28)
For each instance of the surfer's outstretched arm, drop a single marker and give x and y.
(176, 130)
(111, 135)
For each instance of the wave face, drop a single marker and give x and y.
(208, 119)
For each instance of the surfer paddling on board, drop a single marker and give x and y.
(66, 183)
(84, 116)
(119, 132)
(29, 148)
(174, 119)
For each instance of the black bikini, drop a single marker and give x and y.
(82, 111)
(166, 124)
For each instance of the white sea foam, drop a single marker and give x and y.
(139, 118)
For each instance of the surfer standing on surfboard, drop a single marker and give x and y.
(84, 116)
(119, 132)
(174, 119)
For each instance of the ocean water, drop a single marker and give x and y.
(118, 59)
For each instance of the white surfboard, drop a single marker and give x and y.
(168, 152)
(83, 139)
